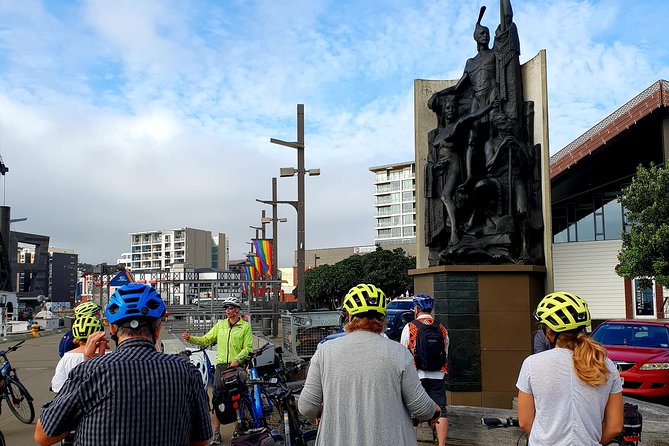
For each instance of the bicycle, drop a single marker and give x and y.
(493, 422)
(18, 398)
(251, 401)
(203, 365)
(291, 430)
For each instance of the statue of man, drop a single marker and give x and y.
(480, 75)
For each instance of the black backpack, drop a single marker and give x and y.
(429, 351)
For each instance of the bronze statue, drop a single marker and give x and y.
(492, 213)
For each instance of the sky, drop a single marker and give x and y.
(133, 115)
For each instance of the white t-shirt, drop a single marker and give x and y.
(568, 411)
(69, 361)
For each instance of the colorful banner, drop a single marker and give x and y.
(255, 271)
(246, 275)
(263, 248)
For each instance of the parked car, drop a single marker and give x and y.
(640, 348)
(396, 319)
(400, 304)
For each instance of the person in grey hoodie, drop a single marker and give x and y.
(364, 386)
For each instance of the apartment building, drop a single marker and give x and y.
(160, 249)
(395, 203)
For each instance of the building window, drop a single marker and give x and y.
(644, 297)
(408, 207)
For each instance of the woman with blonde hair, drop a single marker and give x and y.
(572, 393)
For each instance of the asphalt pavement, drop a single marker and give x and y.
(36, 360)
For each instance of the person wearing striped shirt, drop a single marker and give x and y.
(135, 395)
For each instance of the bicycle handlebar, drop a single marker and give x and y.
(12, 348)
(492, 422)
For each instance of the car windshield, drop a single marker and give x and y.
(400, 305)
(633, 335)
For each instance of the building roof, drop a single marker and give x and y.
(392, 166)
(642, 105)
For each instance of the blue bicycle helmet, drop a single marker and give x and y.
(134, 302)
(424, 302)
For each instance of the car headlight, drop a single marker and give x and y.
(655, 366)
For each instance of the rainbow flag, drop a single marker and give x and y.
(257, 265)
(263, 249)
(255, 271)
(246, 275)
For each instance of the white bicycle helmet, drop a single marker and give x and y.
(198, 361)
(232, 301)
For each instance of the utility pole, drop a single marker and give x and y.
(299, 204)
(276, 286)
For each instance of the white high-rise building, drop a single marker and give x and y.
(160, 249)
(395, 203)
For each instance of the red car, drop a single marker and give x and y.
(640, 348)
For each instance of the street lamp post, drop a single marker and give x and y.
(275, 255)
(299, 205)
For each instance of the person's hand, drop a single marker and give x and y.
(234, 363)
(96, 345)
(185, 336)
(435, 418)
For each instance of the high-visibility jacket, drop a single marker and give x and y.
(234, 342)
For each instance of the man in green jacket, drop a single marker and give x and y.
(235, 341)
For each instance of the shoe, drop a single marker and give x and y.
(216, 439)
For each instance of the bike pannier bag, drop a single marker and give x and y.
(632, 422)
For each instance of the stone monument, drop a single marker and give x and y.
(483, 209)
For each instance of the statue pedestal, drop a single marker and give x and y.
(487, 310)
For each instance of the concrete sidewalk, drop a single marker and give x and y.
(465, 428)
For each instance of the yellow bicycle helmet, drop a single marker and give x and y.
(85, 326)
(363, 298)
(561, 311)
(86, 309)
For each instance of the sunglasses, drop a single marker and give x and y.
(229, 307)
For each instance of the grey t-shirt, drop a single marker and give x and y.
(365, 385)
(568, 411)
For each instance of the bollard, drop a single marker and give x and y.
(35, 330)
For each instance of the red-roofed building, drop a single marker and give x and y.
(586, 179)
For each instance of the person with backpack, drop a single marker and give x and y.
(363, 386)
(572, 393)
(427, 340)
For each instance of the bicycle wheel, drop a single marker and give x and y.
(20, 402)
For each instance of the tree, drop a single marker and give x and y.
(645, 250)
(326, 285)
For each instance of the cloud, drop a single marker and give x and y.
(118, 117)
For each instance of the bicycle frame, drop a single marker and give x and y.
(254, 395)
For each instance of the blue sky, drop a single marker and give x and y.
(132, 115)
